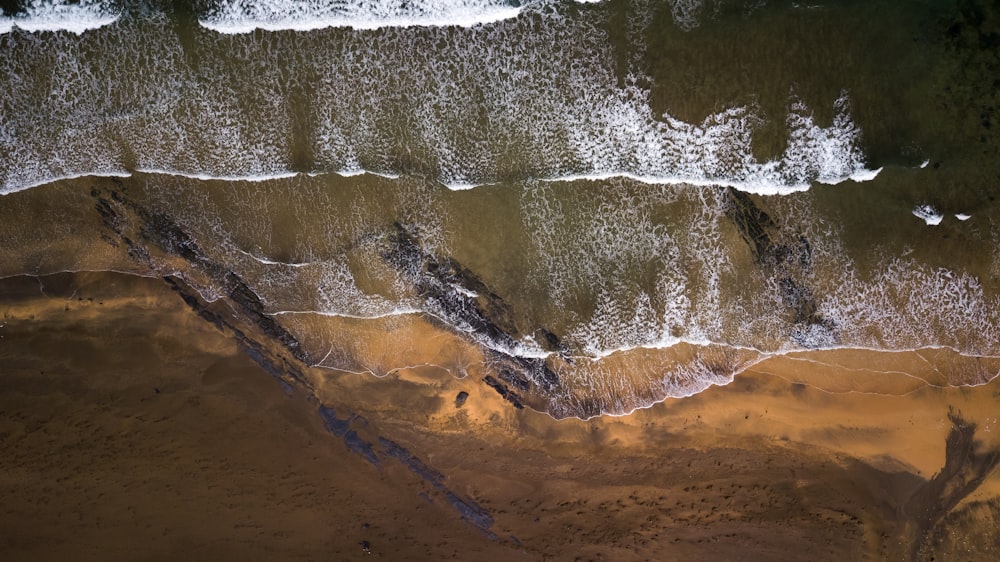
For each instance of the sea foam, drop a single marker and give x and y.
(253, 178)
(245, 16)
(48, 180)
(928, 214)
(465, 106)
(56, 15)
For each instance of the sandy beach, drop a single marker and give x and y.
(135, 429)
(488, 280)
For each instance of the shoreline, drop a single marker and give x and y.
(808, 454)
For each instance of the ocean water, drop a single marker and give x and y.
(609, 202)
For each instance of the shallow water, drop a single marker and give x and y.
(604, 204)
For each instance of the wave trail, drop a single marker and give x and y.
(61, 15)
(245, 16)
(7, 189)
(212, 177)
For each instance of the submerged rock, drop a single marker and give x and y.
(460, 299)
(788, 258)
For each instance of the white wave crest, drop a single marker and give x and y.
(210, 177)
(928, 214)
(244, 16)
(56, 15)
(531, 97)
(7, 190)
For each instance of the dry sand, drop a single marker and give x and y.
(133, 429)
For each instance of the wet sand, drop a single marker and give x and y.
(132, 428)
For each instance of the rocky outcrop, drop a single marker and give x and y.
(468, 509)
(786, 256)
(462, 302)
(454, 294)
(342, 428)
(140, 229)
(504, 392)
(286, 371)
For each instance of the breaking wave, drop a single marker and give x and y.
(537, 96)
(244, 16)
(55, 15)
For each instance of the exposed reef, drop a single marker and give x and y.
(787, 257)
(342, 428)
(131, 222)
(462, 302)
(453, 295)
(468, 509)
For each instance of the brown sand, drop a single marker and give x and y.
(133, 429)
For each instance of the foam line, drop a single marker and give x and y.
(759, 188)
(266, 261)
(54, 15)
(240, 17)
(391, 313)
(354, 172)
(7, 189)
(210, 177)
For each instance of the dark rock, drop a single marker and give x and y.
(211, 318)
(162, 231)
(250, 303)
(400, 453)
(471, 511)
(358, 445)
(111, 219)
(456, 296)
(341, 428)
(517, 380)
(787, 257)
(531, 369)
(468, 509)
(273, 365)
(752, 222)
(137, 253)
(506, 393)
(551, 342)
(333, 424)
